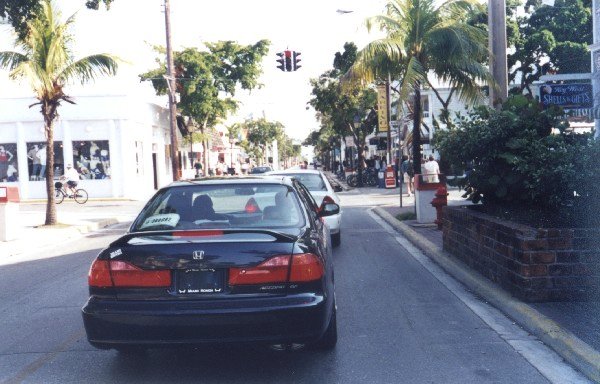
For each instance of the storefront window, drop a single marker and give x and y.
(36, 160)
(8, 163)
(92, 159)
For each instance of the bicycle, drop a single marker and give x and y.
(80, 196)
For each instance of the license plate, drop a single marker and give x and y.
(200, 281)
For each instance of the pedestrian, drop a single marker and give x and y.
(431, 170)
(198, 168)
(408, 174)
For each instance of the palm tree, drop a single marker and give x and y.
(423, 38)
(45, 60)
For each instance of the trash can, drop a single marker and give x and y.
(425, 192)
(9, 213)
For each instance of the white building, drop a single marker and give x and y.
(120, 145)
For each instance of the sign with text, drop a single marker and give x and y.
(567, 96)
(382, 108)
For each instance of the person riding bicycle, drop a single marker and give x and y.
(71, 176)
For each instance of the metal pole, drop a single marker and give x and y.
(497, 46)
(172, 101)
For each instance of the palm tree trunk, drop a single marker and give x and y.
(416, 139)
(49, 113)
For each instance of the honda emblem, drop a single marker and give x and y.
(198, 255)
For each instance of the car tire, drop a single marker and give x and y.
(328, 341)
(336, 239)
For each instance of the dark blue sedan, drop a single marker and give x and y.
(218, 260)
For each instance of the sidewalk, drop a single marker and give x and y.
(74, 221)
(572, 329)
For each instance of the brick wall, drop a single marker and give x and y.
(532, 264)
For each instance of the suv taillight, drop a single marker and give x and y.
(104, 273)
(305, 267)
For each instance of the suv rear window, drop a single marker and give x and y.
(222, 206)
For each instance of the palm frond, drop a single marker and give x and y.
(10, 60)
(376, 58)
(414, 76)
(88, 68)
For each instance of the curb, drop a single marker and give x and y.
(67, 233)
(91, 226)
(571, 348)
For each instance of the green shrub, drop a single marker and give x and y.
(512, 157)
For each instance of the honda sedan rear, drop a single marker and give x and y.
(225, 260)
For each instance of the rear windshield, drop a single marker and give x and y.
(262, 206)
(312, 181)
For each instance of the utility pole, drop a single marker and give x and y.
(172, 89)
(497, 46)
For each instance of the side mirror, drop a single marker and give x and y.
(337, 188)
(329, 209)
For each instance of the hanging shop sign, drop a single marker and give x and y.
(382, 108)
(567, 96)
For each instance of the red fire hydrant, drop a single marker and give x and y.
(440, 200)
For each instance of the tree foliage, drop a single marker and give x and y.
(344, 109)
(20, 12)
(207, 80)
(511, 156)
(551, 39)
(260, 133)
(44, 59)
(423, 37)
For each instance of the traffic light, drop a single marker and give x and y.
(288, 61)
(296, 60)
(281, 61)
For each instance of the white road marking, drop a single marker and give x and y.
(540, 356)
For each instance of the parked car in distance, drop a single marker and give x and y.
(261, 169)
(217, 260)
(322, 191)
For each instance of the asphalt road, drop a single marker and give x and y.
(398, 323)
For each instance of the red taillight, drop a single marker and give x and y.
(274, 270)
(200, 233)
(306, 267)
(128, 275)
(104, 273)
(326, 200)
(99, 275)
